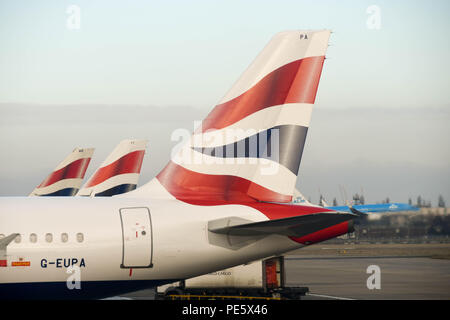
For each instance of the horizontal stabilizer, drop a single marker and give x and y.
(357, 212)
(297, 226)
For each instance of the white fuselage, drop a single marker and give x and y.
(102, 239)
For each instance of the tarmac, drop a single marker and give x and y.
(340, 271)
(401, 278)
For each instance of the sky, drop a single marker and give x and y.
(144, 68)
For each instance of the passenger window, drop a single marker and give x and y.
(80, 237)
(33, 237)
(64, 237)
(18, 239)
(49, 237)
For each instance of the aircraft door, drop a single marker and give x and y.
(136, 238)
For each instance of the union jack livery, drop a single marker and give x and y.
(251, 144)
(67, 177)
(119, 173)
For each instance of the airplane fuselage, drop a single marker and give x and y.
(118, 244)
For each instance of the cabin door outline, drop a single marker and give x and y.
(137, 238)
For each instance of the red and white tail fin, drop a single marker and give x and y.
(250, 145)
(119, 173)
(68, 176)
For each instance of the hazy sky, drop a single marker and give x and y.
(389, 152)
(382, 110)
(169, 53)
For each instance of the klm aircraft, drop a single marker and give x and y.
(364, 208)
(377, 208)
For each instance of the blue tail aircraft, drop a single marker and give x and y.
(377, 208)
(364, 208)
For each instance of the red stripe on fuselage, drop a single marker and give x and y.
(215, 190)
(129, 163)
(189, 185)
(74, 170)
(295, 82)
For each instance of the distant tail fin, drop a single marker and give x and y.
(251, 143)
(323, 203)
(68, 176)
(299, 198)
(119, 173)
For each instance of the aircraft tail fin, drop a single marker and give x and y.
(250, 145)
(68, 176)
(120, 171)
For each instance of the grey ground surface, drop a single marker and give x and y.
(340, 271)
(346, 277)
